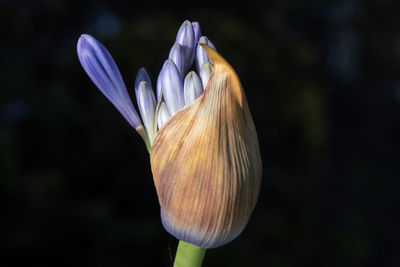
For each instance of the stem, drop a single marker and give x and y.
(140, 129)
(189, 255)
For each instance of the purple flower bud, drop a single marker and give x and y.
(147, 107)
(176, 55)
(102, 70)
(141, 76)
(163, 114)
(196, 30)
(201, 55)
(186, 39)
(171, 86)
(205, 73)
(192, 88)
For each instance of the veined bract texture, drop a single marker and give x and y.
(206, 163)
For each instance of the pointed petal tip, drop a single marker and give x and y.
(142, 69)
(84, 35)
(81, 41)
(142, 75)
(85, 38)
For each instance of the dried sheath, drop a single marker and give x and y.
(206, 163)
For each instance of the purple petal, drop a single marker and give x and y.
(102, 70)
(159, 87)
(196, 30)
(171, 86)
(163, 115)
(192, 88)
(186, 39)
(205, 73)
(176, 55)
(142, 76)
(201, 55)
(147, 107)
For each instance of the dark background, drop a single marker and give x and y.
(322, 80)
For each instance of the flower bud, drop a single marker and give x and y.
(196, 30)
(141, 76)
(102, 70)
(186, 38)
(205, 73)
(201, 55)
(147, 107)
(192, 87)
(163, 114)
(176, 55)
(170, 84)
(206, 163)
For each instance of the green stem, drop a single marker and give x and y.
(189, 255)
(144, 136)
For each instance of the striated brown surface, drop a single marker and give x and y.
(206, 163)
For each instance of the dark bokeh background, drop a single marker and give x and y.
(322, 80)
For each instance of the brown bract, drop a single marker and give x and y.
(206, 163)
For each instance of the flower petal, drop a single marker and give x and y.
(205, 73)
(163, 115)
(201, 55)
(158, 89)
(186, 39)
(142, 76)
(192, 87)
(170, 83)
(102, 70)
(196, 30)
(147, 107)
(176, 55)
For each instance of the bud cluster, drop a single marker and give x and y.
(177, 85)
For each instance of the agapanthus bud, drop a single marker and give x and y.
(102, 70)
(186, 39)
(170, 83)
(206, 163)
(192, 87)
(176, 55)
(147, 107)
(201, 55)
(205, 73)
(196, 30)
(142, 76)
(163, 114)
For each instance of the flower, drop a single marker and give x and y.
(202, 141)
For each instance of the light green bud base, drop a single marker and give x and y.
(189, 255)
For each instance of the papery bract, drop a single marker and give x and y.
(206, 163)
